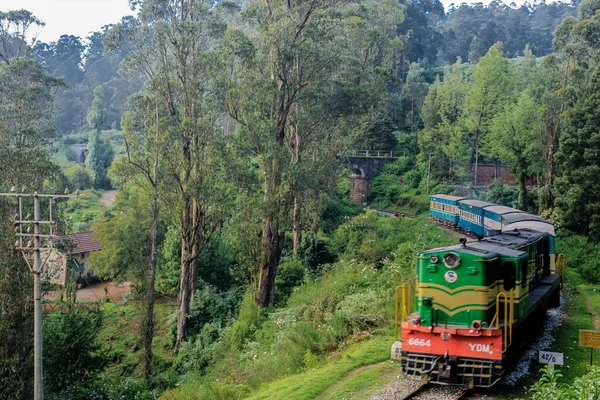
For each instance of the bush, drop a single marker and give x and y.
(71, 350)
(549, 387)
(314, 251)
(249, 321)
(290, 274)
(412, 178)
(363, 311)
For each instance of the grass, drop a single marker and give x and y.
(120, 338)
(309, 384)
(362, 384)
(79, 213)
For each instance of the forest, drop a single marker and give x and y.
(224, 124)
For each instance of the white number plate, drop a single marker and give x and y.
(547, 357)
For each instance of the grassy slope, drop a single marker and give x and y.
(120, 337)
(309, 384)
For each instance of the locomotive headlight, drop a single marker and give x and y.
(451, 260)
(434, 259)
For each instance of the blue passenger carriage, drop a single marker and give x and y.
(445, 207)
(471, 215)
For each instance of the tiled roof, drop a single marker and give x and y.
(84, 242)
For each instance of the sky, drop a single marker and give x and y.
(72, 17)
(80, 17)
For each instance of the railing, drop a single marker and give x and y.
(509, 317)
(371, 153)
(402, 305)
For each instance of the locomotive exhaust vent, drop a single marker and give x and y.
(451, 260)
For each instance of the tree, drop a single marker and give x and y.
(474, 50)
(302, 50)
(514, 139)
(171, 43)
(578, 187)
(485, 98)
(442, 137)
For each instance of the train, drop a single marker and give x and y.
(474, 303)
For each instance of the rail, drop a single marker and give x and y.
(402, 306)
(509, 317)
(428, 390)
(370, 153)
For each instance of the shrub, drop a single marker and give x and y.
(71, 350)
(249, 321)
(363, 311)
(314, 251)
(290, 274)
(549, 387)
(412, 178)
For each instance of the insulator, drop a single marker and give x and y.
(67, 191)
(16, 217)
(30, 244)
(17, 243)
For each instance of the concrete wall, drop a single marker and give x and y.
(57, 271)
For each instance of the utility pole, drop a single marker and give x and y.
(24, 243)
(428, 172)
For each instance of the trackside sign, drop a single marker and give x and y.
(547, 357)
(589, 339)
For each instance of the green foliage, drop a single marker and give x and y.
(80, 212)
(413, 178)
(363, 311)
(210, 313)
(97, 114)
(107, 388)
(71, 348)
(336, 211)
(99, 159)
(371, 239)
(169, 263)
(314, 251)
(78, 177)
(249, 321)
(549, 387)
(580, 254)
(499, 193)
(290, 274)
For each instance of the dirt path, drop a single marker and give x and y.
(108, 197)
(327, 394)
(96, 292)
(593, 313)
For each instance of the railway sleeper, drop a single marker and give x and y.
(467, 372)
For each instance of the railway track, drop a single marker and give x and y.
(392, 213)
(428, 391)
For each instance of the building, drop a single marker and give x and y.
(73, 264)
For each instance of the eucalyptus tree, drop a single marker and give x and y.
(485, 98)
(172, 44)
(100, 154)
(298, 57)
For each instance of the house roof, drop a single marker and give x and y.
(84, 242)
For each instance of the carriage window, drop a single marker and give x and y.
(508, 271)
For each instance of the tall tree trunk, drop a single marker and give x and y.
(150, 293)
(187, 273)
(297, 224)
(272, 246)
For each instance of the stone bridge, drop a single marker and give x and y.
(80, 153)
(365, 165)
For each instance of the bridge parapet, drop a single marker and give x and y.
(370, 153)
(365, 165)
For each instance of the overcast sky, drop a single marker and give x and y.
(73, 17)
(80, 17)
